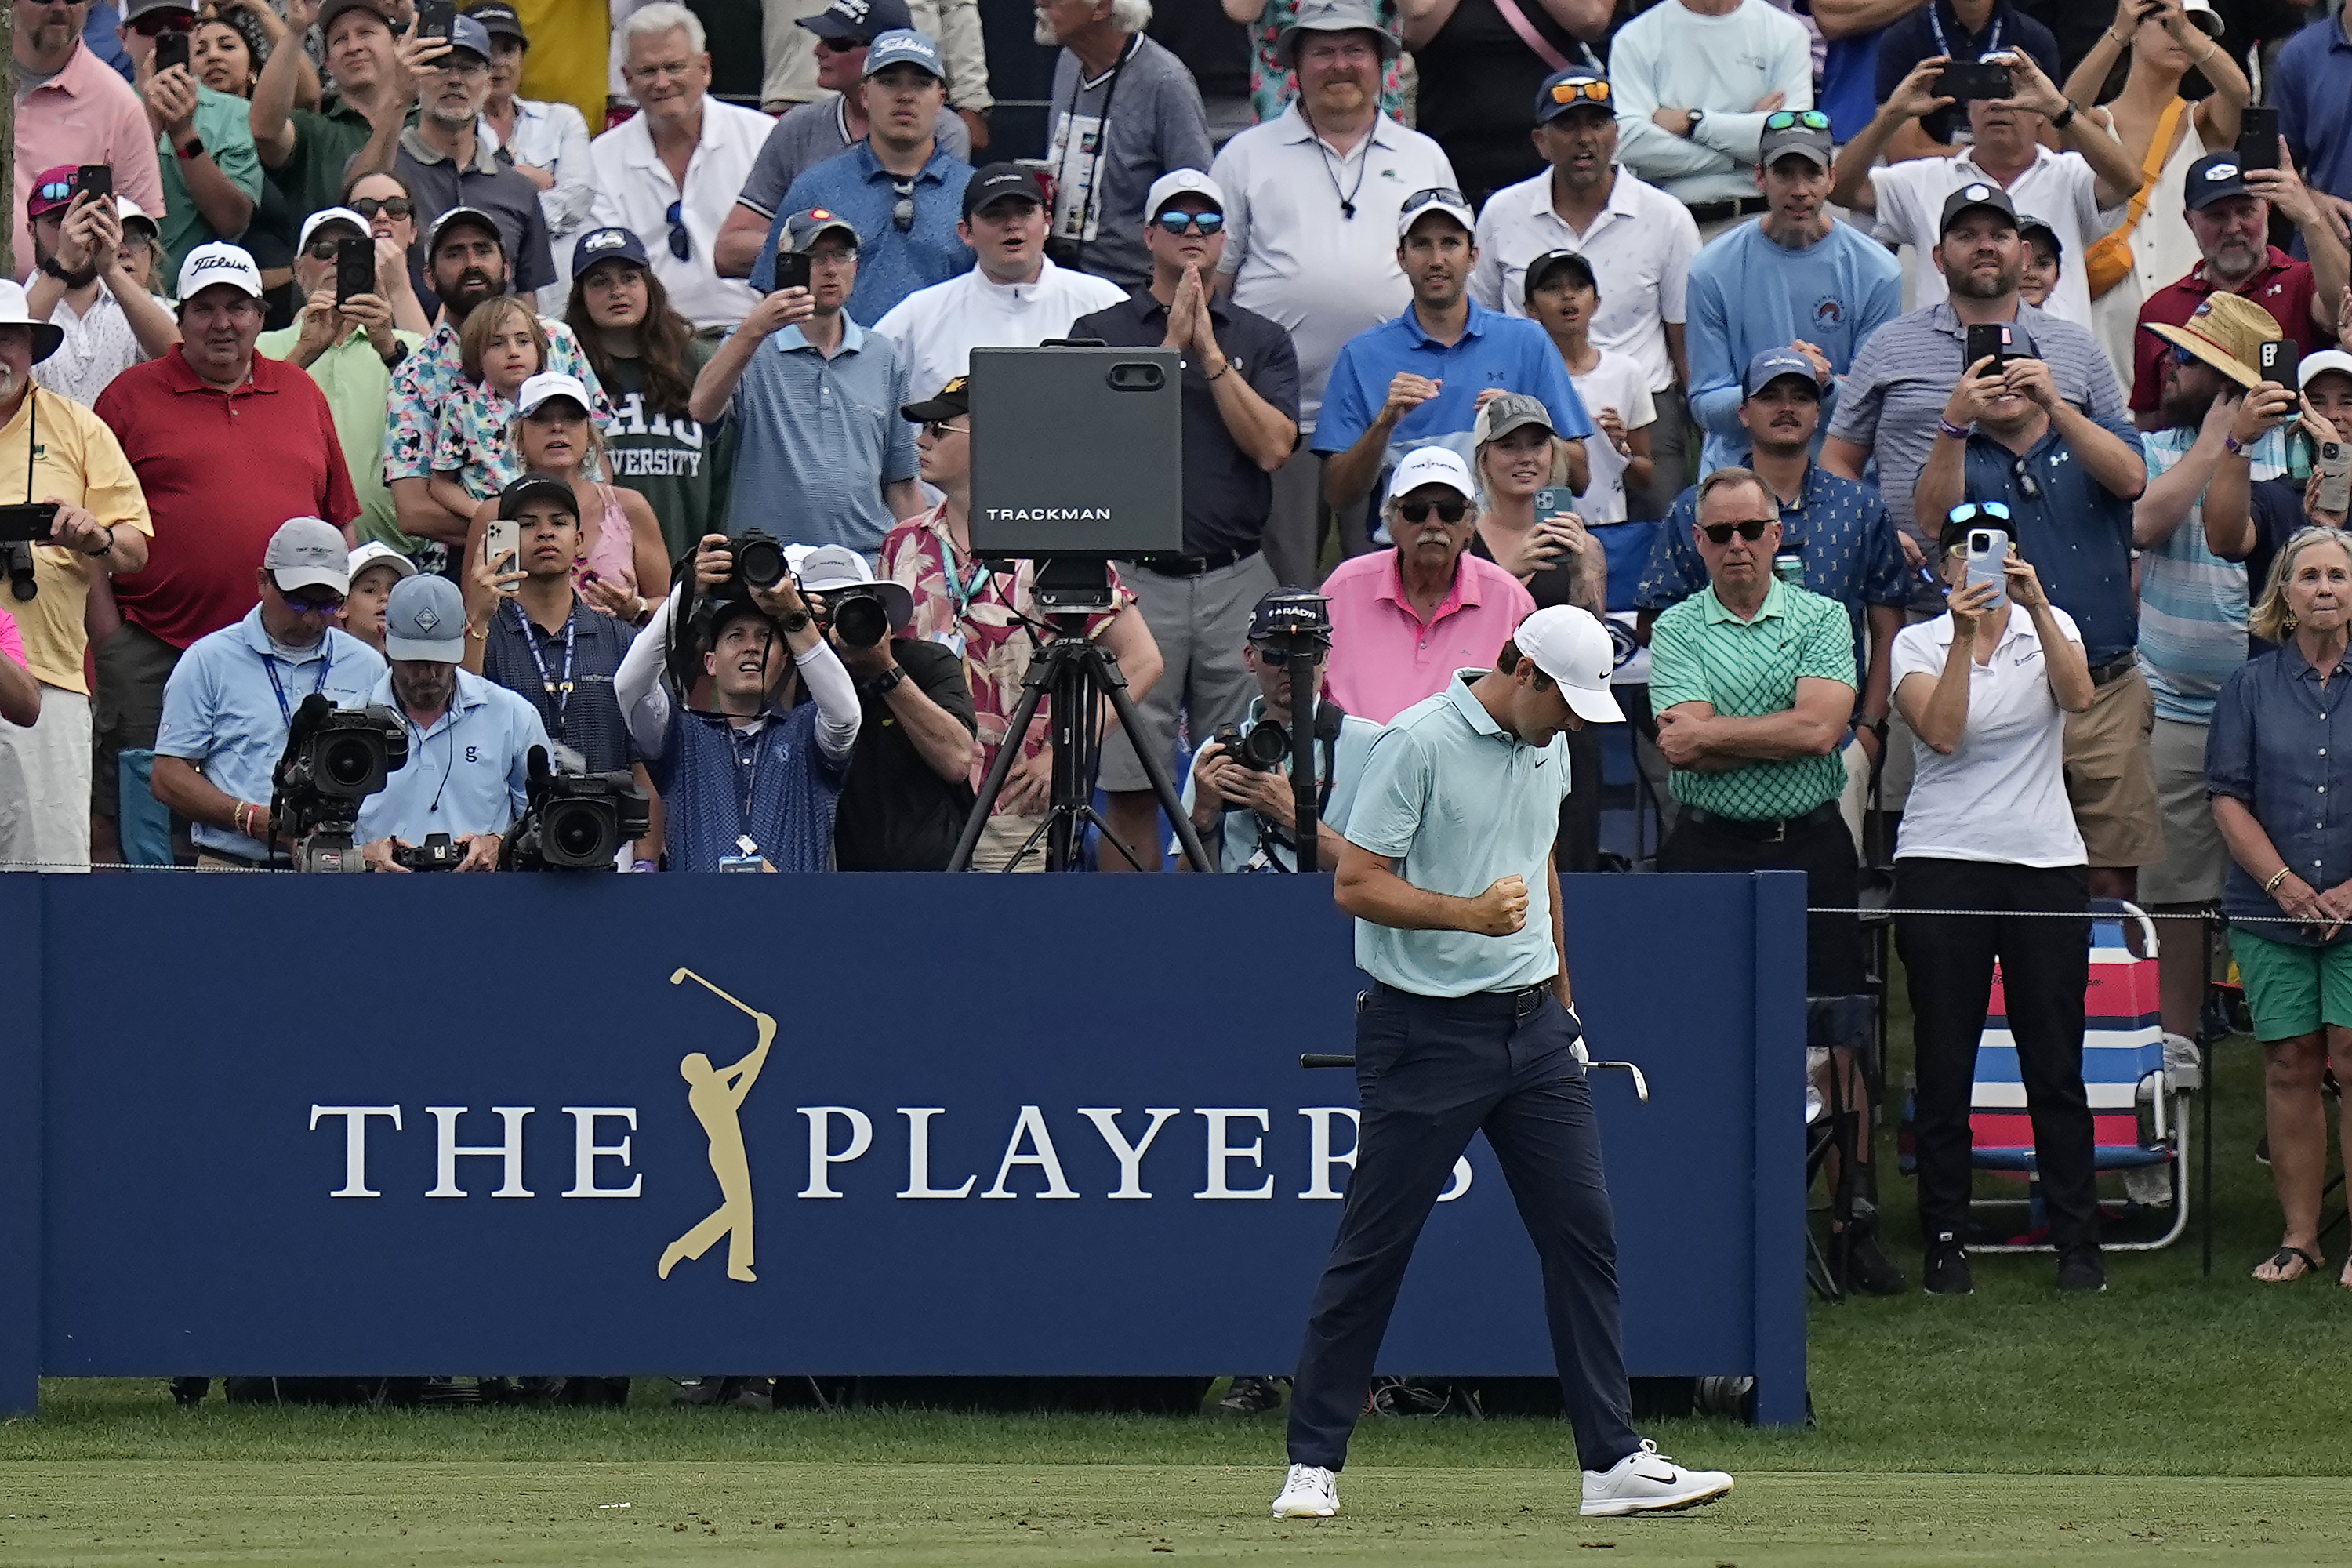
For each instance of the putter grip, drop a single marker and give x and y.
(1320, 1059)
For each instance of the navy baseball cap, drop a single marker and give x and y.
(1540, 269)
(466, 33)
(994, 182)
(1576, 86)
(1284, 610)
(801, 229)
(1771, 366)
(2212, 178)
(865, 19)
(608, 245)
(498, 19)
(904, 46)
(475, 216)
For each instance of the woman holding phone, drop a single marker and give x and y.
(1986, 688)
(2269, 763)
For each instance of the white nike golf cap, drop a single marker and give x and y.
(1572, 647)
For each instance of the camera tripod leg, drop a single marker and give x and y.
(993, 785)
(1155, 768)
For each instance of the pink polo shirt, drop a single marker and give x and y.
(1385, 658)
(85, 114)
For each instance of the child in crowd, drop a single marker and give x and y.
(1563, 297)
(503, 346)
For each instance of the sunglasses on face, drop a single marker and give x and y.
(313, 604)
(902, 214)
(1579, 90)
(2182, 356)
(1206, 224)
(1453, 509)
(1787, 119)
(1273, 655)
(940, 429)
(320, 249)
(391, 206)
(1748, 528)
(842, 45)
(156, 22)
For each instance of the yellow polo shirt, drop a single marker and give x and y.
(75, 459)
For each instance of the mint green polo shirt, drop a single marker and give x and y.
(1701, 652)
(224, 125)
(1458, 803)
(357, 383)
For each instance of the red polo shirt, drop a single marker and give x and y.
(222, 471)
(2283, 287)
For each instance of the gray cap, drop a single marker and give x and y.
(1333, 16)
(306, 552)
(1508, 413)
(426, 619)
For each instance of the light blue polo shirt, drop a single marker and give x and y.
(1496, 353)
(468, 774)
(221, 712)
(1237, 841)
(1458, 803)
(818, 439)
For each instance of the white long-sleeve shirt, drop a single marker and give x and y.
(648, 702)
(1670, 57)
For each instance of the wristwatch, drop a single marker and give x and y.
(796, 620)
(194, 147)
(1698, 116)
(887, 682)
(56, 269)
(107, 548)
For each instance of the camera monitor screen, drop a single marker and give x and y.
(1077, 451)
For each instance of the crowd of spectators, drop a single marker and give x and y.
(444, 368)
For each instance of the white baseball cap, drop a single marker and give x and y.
(1572, 647)
(1181, 182)
(311, 225)
(376, 552)
(308, 552)
(218, 262)
(2321, 364)
(829, 568)
(1432, 466)
(549, 385)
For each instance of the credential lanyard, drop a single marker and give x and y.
(1943, 46)
(560, 690)
(269, 668)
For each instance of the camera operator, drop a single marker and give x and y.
(469, 742)
(753, 785)
(910, 786)
(1255, 800)
(230, 700)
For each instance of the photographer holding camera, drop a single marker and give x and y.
(468, 771)
(909, 785)
(1242, 777)
(230, 702)
(754, 784)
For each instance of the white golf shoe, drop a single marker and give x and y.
(1646, 1482)
(1313, 1492)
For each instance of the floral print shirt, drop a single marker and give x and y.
(433, 370)
(1272, 86)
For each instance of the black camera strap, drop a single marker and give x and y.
(1328, 716)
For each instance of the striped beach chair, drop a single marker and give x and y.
(2135, 1103)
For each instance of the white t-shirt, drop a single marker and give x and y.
(1294, 254)
(2000, 794)
(1617, 382)
(2056, 188)
(937, 328)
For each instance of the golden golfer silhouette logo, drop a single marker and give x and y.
(716, 1097)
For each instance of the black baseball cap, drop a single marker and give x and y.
(498, 19)
(2212, 177)
(2028, 224)
(994, 182)
(1540, 269)
(456, 216)
(537, 487)
(866, 19)
(1968, 198)
(1282, 611)
(952, 401)
(380, 9)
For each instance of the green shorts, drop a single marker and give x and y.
(2292, 988)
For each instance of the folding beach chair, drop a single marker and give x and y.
(2137, 1102)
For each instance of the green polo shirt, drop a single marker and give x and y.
(1701, 652)
(324, 144)
(1458, 804)
(223, 125)
(358, 383)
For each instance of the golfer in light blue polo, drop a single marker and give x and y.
(1447, 868)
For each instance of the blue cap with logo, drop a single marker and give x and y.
(426, 619)
(803, 229)
(904, 46)
(608, 245)
(2212, 178)
(466, 33)
(1771, 366)
(865, 19)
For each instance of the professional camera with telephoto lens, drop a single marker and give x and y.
(1264, 747)
(439, 852)
(334, 759)
(858, 614)
(759, 562)
(576, 821)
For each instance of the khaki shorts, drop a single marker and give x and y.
(2195, 862)
(127, 706)
(1001, 836)
(2110, 782)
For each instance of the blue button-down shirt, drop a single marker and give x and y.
(222, 712)
(466, 774)
(2278, 740)
(1839, 527)
(1508, 354)
(892, 262)
(816, 439)
(2077, 534)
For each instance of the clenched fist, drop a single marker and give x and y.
(1501, 910)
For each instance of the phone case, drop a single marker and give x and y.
(1987, 569)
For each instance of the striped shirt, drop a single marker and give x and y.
(2192, 605)
(1701, 652)
(1896, 392)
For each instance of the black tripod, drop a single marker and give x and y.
(1077, 674)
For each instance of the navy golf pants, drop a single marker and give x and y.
(1430, 1072)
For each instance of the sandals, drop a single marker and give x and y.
(2286, 1257)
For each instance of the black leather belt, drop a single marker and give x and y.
(1769, 829)
(1519, 1003)
(1728, 206)
(1196, 565)
(2114, 669)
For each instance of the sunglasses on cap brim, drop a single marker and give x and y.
(1579, 90)
(1970, 515)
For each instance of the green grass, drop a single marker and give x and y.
(2203, 1417)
